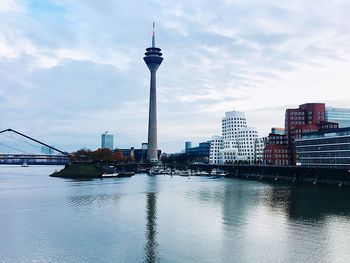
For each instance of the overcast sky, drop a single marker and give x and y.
(71, 70)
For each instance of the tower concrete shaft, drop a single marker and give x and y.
(153, 59)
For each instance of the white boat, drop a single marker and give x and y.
(110, 175)
(202, 173)
(218, 173)
(185, 173)
(155, 171)
(25, 164)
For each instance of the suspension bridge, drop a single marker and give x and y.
(17, 148)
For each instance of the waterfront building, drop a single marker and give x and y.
(246, 143)
(276, 130)
(200, 152)
(107, 141)
(153, 59)
(216, 145)
(329, 148)
(188, 145)
(137, 155)
(259, 150)
(238, 142)
(276, 155)
(276, 151)
(231, 123)
(338, 115)
(307, 118)
(307, 114)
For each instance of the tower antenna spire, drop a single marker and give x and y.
(153, 37)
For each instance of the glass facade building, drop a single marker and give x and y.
(338, 115)
(107, 141)
(329, 148)
(46, 150)
(202, 150)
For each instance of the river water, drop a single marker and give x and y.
(164, 219)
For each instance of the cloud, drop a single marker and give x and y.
(72, 69)
(10, 6)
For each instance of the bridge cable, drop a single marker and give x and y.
(35, 146)
(15, 142)
(12, 148)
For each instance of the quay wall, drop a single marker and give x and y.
(294, 174)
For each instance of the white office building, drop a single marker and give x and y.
(237, 141)
(259, 150)
(230, 125)
(216, 145)
(246, 143)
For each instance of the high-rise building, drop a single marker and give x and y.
(188, 145)
(107, 140)
(308, 117)
(246, 143)
(231, 123)
(46, 150)
(307, 114)
(238, 140)
(338, 115)
(153, 59)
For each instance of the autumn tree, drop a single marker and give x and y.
(102, 154)
(118, 156)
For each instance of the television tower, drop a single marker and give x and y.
(153, 59)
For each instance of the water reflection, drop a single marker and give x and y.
(93, 200)
(309, 202)
(151, 246)
(240, 199)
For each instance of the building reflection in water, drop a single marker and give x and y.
(309, 201)
(151, 246)
(312, 202)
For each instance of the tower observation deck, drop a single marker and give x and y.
(153, 59)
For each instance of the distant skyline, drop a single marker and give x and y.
(70, 70)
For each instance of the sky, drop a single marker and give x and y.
(71, 70)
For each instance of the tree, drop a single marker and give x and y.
(102, 154)
(118, 156)
(81, 155)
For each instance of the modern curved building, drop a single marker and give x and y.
(246, 143)
(231, 124)
(153, 59)
(238, 143)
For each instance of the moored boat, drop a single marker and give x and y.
(110, 175)
(126, 174)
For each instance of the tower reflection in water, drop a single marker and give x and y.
(151, 246)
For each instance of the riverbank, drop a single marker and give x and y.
(293, 174)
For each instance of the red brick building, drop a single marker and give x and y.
(276, 151)
(307, 118)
